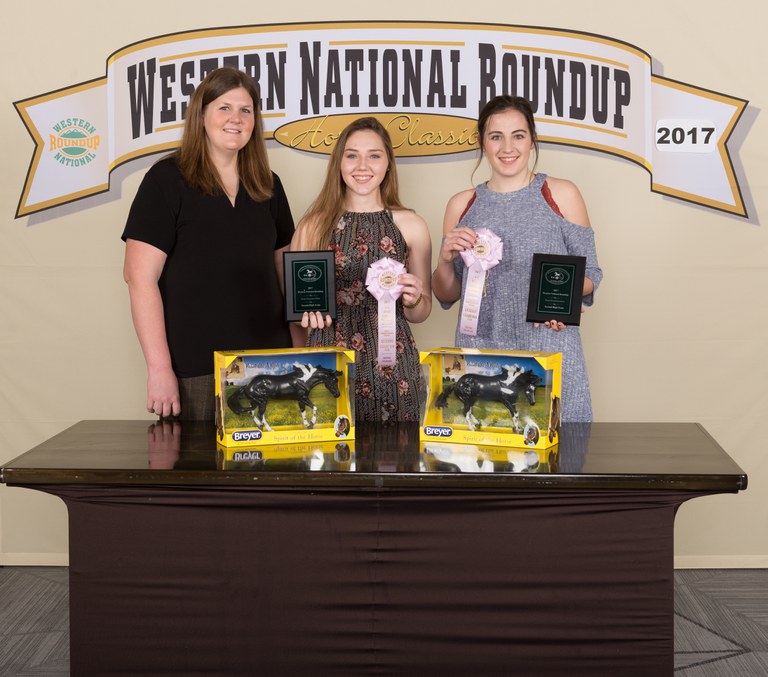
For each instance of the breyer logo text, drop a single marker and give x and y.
(437, 431)
(246, 435)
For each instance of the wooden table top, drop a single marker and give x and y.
(664, 456)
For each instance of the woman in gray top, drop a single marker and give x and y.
(530, 213)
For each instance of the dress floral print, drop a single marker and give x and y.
(381, 393)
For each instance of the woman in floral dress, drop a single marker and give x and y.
(358, 215)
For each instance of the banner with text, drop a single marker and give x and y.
(425, 81)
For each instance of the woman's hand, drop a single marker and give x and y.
(315, 320)
(413, 288)
(163, 393)
(456, 241)
(554, 325)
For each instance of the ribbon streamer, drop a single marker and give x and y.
(479, 260)
(381, 281)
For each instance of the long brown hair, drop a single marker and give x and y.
(327, 208)
(192, 156)
(500, 104)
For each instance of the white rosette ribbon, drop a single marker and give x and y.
(479, 260)
(381, 282)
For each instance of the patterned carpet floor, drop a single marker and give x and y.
(721, 622)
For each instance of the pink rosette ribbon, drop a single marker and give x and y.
(486, 254)
(382, 283)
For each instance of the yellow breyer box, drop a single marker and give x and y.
(494, 397)
(283, 396)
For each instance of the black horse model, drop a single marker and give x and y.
(295, 385)
(504, 387)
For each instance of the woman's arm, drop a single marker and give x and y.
(571, 204)
(568, 198)
(445, 283)
(142, 269)
(417, 293)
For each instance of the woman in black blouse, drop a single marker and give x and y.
(204, 243)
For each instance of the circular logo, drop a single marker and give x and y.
(387, 279)
(74, 142)
(557, 276)
(310, 273)
(481, 249)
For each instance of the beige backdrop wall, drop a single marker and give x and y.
(678, 332)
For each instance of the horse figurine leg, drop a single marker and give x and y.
(255, 417)
(508, 401)
(261, 416)
(472, 421)
(305, 402)
(303, 409)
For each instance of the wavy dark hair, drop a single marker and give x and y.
(192, 156)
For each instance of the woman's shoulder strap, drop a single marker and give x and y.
(469, 204)
(546, 193)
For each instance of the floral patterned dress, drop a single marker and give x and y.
(381, 393)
